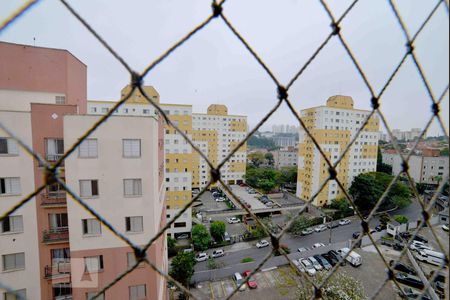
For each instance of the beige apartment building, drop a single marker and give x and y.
(333, 126)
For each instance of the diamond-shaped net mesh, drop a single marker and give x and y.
(219, 12)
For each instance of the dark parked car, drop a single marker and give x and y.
(412, 281)
(323, 262)
(420, 239)
(398, 247)
(405, 235)
(356, 234)
(333, 225)
(412, 294)
(399, 266)
(337, 256)
(380, 227)
(331, 259)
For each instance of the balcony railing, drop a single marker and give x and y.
(55, 235)
(58, 269)
(53, 199)
(65, 297)
(53, 157)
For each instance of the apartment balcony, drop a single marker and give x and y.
(57, 270)
(56, 235)
(65, 297)
(53, 199)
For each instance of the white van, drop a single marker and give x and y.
(353, 258)
(239, 279)
(431, 257)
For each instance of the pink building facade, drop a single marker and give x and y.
(50, 87)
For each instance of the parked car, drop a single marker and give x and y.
(269, 204)
(405, 235)
(416, 246)
(444, 227)
(413, 295)
(252, 281)
(439, 283)
(331, 259)
(226, 237)
(299, 265)
(320, 228)
(201, 257)
(233, 220)
(323, 262)
(398, 246)
(351, 256)
(315, 263)
(307, 231)
(410, 280)
(333, 225)
(251, 191)
(220, 199)
(302, 249)
(380, 227)
(308, 267)
(183, 236)
(318, 245)
(356, 234)
(262, 244)
(337, 256)
(344, 222)
(217, 253)
(399, 266)
(420, 239)
(239, 279)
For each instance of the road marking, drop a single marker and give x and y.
(223, 289)
(267, 280)
(212, 292)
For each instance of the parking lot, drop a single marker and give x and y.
(277, 284)
(251, 199)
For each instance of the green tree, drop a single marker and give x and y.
(200, 237)
(382, 167)
(343, 208)
(299, 224)
(367, 189)
(341, 287)
(256, 158)
(217, 230)
(444, 152)
(269, 157)
(401, 219)
(171, 243)
(182, 268)
(266, 185)
(260, 142)
(384, 218)
(289, 175)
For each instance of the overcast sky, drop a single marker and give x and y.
(214, 67)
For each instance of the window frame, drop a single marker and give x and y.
(11, 225)
(85, 225)
(131, 155)
(86, 143)
(129, 227)
(16, 268)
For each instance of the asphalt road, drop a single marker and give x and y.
(339, 234)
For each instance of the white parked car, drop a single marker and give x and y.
(320, 228)
(233, 220)
(444, 227)
(416, 245)
(201, 257)
(318, 245)
(302, 249)
(344, 222)
(307, 231)
(299, 265)
(315, 263)
(353, 258)
(262, 244)
(220, 199)
(217, 253)
(308, 267)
